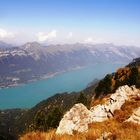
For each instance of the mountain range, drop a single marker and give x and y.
(32, 61)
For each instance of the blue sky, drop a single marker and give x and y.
(70, 21)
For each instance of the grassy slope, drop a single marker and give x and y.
(120, 129)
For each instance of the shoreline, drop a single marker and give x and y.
(44, 77)
(49, 75)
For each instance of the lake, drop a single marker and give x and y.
(28, 95)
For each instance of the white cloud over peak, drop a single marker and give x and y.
(89, 40)
(70, 34)
(94, 40)
(5, 34)
(46, 36)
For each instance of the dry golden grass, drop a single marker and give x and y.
(101, 100)
(120, 129)
(126, 110)
(52, 136)
(34, 136)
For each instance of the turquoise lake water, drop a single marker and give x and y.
(28, 95)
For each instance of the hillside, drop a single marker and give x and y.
(129, 75)
(117, 118)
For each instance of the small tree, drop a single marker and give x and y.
(54, 118)
(82, 99)
(40, 121)
(104, 86)
(46, 120)
(134, 76)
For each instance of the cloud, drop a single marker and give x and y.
(70, 34)
(89, 40)
(46, 36)
(93, 40)
(5, 34)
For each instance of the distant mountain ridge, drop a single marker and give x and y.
(33, 61)
(4, 45)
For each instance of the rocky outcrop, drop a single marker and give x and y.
(78, 118)
(104, 111)
(75, 119)
(135, 116)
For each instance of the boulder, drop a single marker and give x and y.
(76, 119)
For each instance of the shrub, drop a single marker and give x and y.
(44, 121)
(82, 99)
